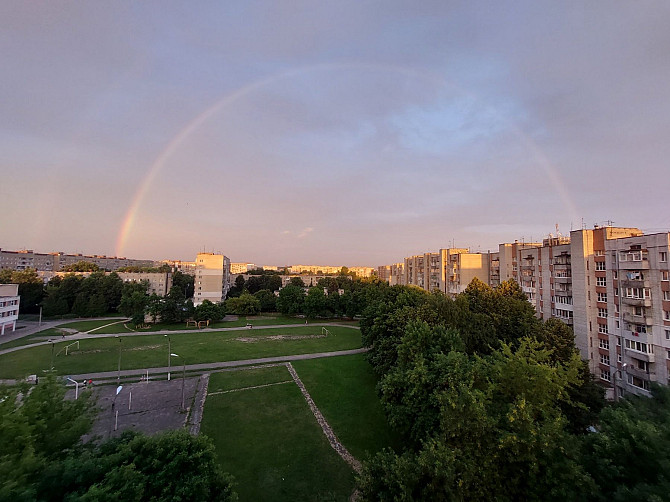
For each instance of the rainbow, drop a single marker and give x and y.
(228, 99)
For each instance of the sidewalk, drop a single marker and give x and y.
(109, 375)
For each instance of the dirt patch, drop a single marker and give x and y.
(275, 338)
(92, 351)
(144, 347)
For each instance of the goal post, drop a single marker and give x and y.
(324, 331)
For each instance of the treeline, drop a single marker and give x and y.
(495, 404)
(42, 457)
(339, 296)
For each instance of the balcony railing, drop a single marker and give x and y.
(640, 373)
(637, 302)
(646, 319)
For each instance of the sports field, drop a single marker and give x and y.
(267, 437)
(150, 351)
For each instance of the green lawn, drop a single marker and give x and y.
(242, 321)
(343, 388)
(239, 379)
(27, 340)
(269, 440)
(147, 351)
(84, 326)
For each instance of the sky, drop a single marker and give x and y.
(339, 133)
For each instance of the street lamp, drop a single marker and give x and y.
(169, 354)
(183, 378)
(52, 354)
(118, 375)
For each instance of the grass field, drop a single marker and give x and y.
(242, 321)
(269, 440)
(343, 388)
(148, 351)
(84, 326)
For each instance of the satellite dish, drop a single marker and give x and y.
(118, 389)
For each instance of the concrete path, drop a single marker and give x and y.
(205, 367)
(90, 336)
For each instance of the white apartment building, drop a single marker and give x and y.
(212, 278)
(9, 307)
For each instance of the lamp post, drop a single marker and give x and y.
(183, 378)
(118, 374)
(52, 354)
(169, 354)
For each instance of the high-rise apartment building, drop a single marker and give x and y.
(53, 262)
(212, 278)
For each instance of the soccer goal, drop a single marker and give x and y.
(324, 331)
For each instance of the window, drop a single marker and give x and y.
(664, 275)
(602, 313)
(602, 328)
(663, 256)
(600, 265)
(638, 346)
(666, 315)
(666, 295)
(667, 334)
(604, 359)
(638, 311)
(602, 297)
(605, 375)
(618, 357)
(601, 281)
(604, 344)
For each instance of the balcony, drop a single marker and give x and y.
(640, 373)
(637, 336)
(635, 283)
(647, 319)
(562, 266)
(634, 265)
(637, 302)
(643, 356)
(527, 289)
(563, 279)
(527, 267)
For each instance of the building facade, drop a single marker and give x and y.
(54, 262)
(212, 278)
(9, 307)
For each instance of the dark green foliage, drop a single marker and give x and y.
(298, 282)
(37, 429)
(208, 311)
(315, 303)
(290, 300)
(31, 288)
(133, 467)
(271, 282)
(184, 282)
(245, 304)
(629, 456)
(81, 266)
(267, 300)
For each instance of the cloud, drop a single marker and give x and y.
(305, 232)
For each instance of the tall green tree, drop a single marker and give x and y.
(290, 300)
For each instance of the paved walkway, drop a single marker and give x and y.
(205, 367)
(91, 336)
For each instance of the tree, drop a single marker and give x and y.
(54, 304)
(38, 428)
(267, 300)
(170, 466)
(31, 288)
(297, 281)
(315, 303)
(245, 304)
(184, 283)
(290, 299)
(96, 306)
(629, 455)
(81, 266)
(208, 311)
(133, 305)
